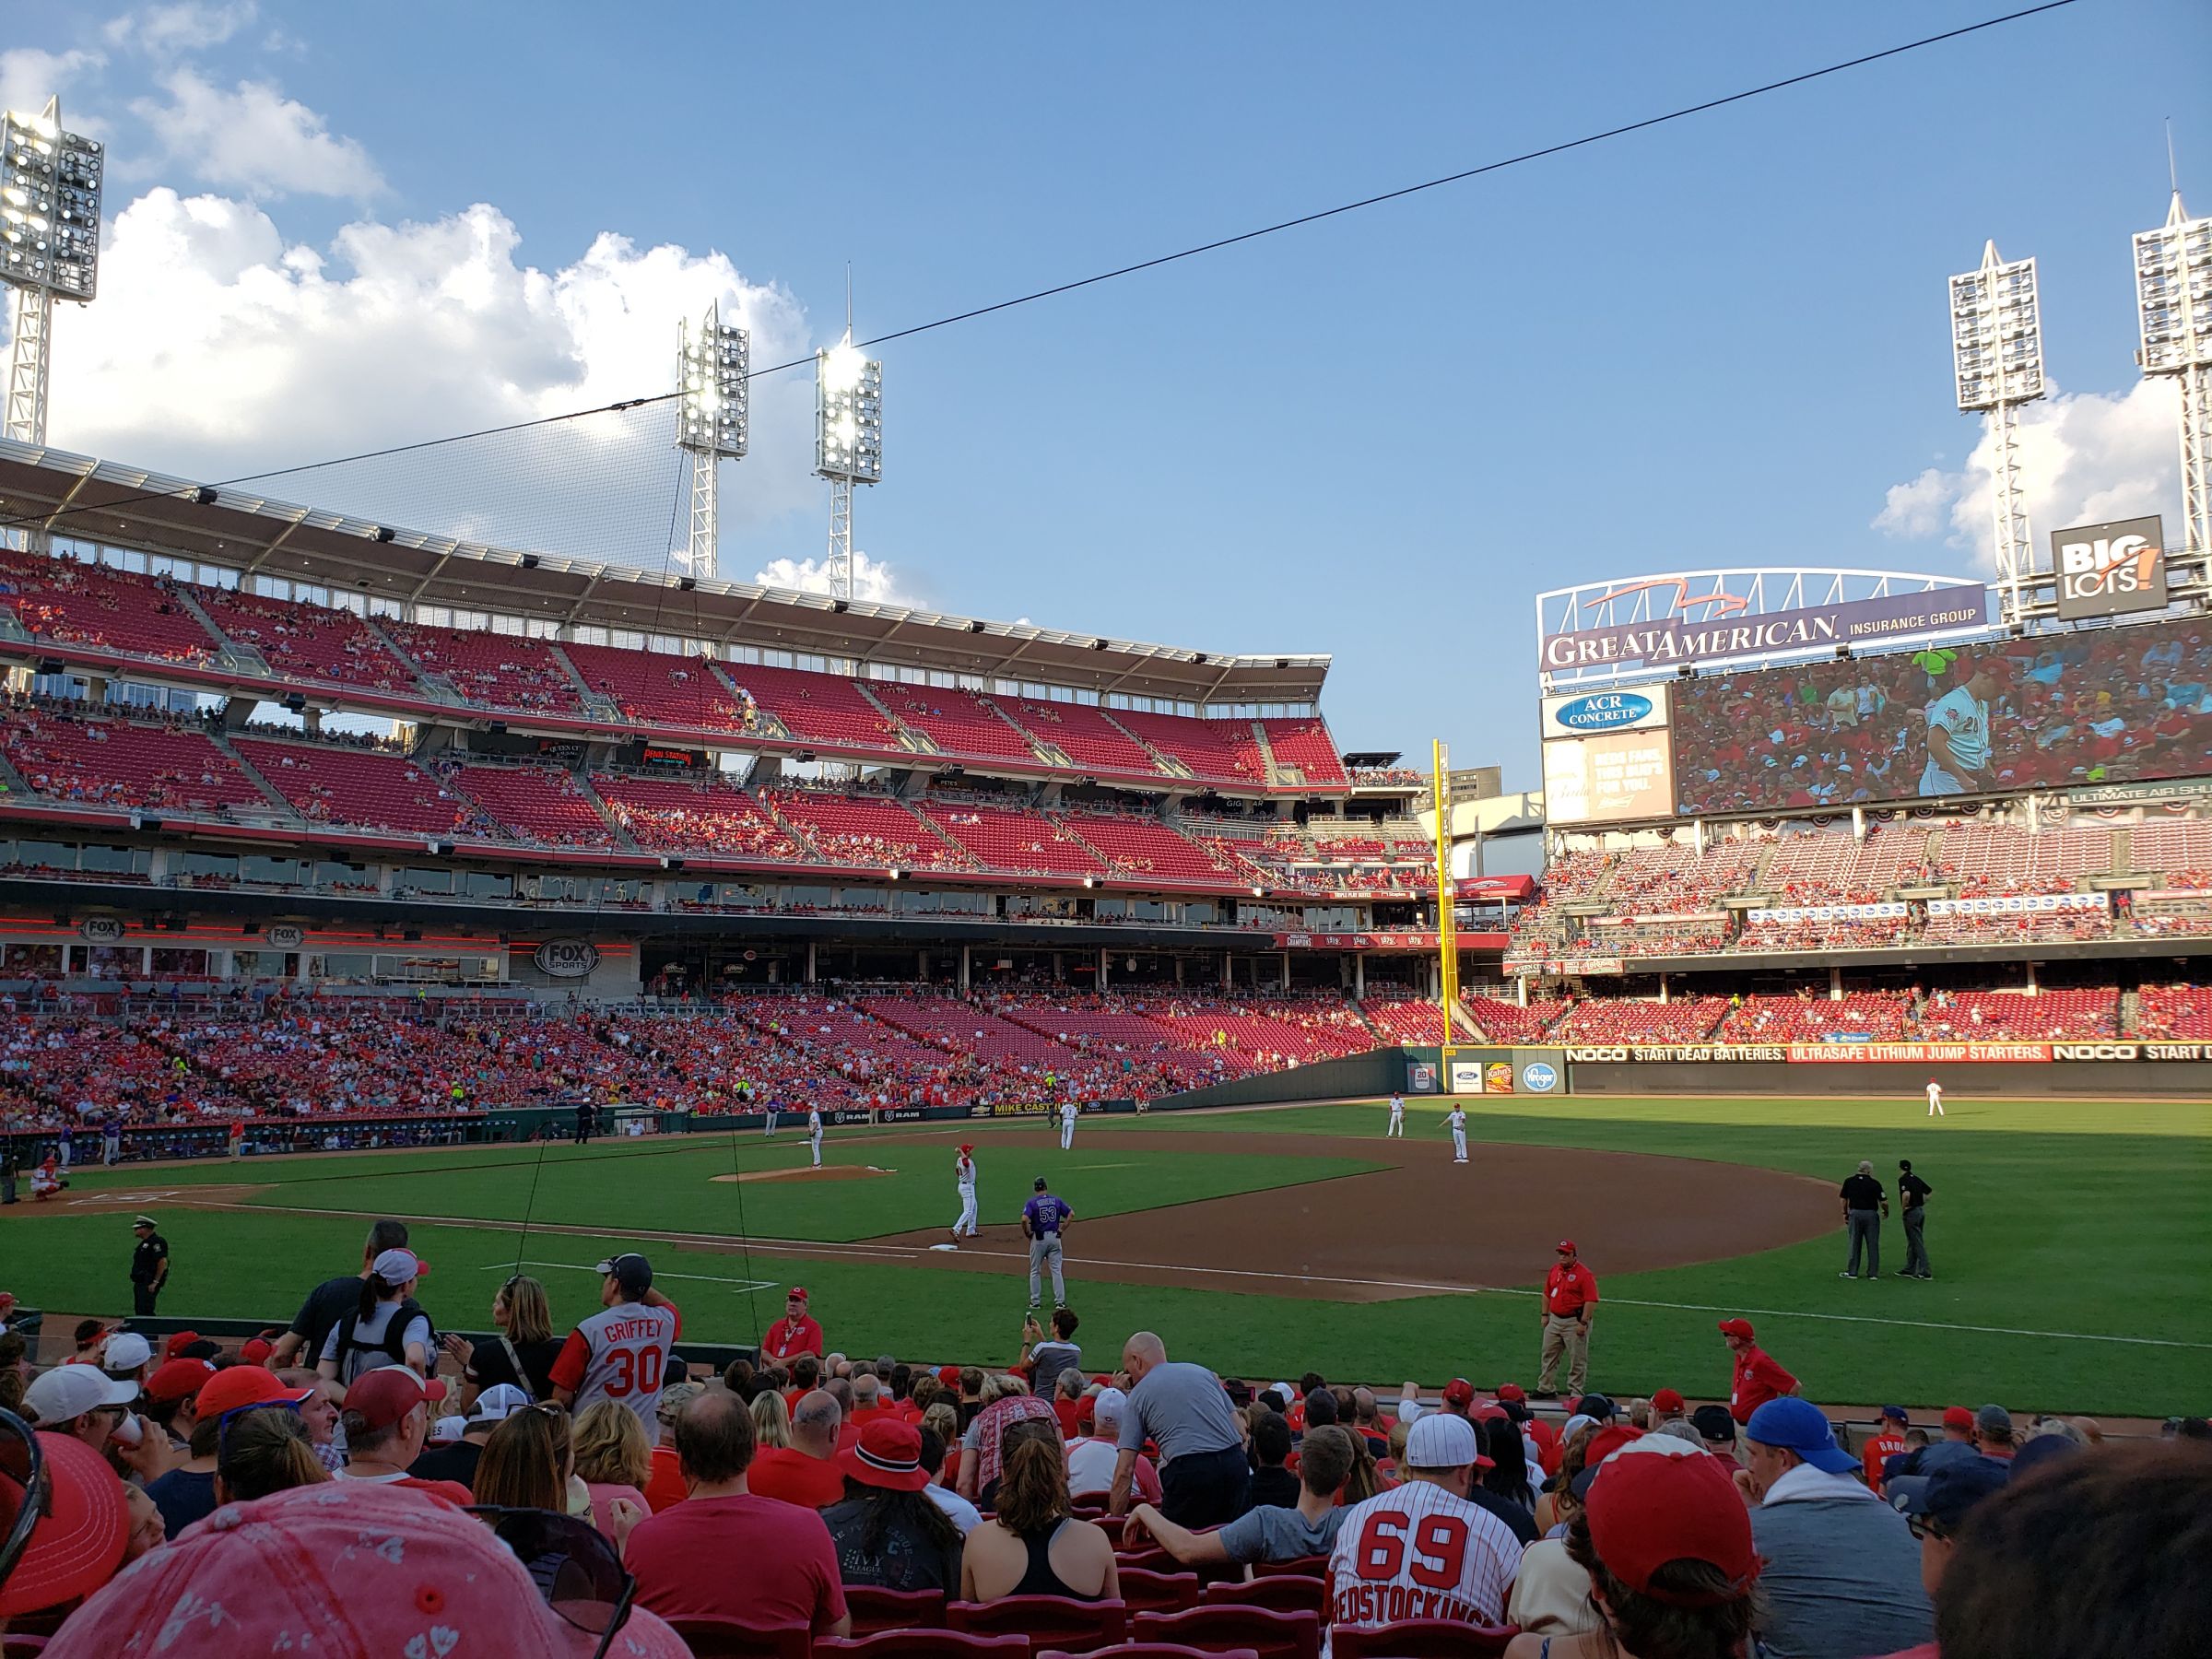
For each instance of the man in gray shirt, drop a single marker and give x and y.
(1184, 1411)
(1271, 1532)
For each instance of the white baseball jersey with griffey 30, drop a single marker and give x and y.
(621, 1354)
(1419, 1552)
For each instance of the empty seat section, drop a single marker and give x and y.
(1405, 1020)
(1685, 1019)
(655, 688)
(705, 815)
(1144, 847)
(863, 831)
(75, 604)
(1829, 868)
(2182, 1012)
(1085, 735)
(1209, 747)
(308, 641)
(958, 1026)
(1508, 1022)
(1985, 1016)
(495, 670)
(363, 789)
(537, 803)
(120, 763)
(818, 708)
(1004, 838)
(2182, 853)
(957, 722)
(1305, 744)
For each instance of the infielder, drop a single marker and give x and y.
(1935, 1099)
(963, 1172)
(1067, 1125)
(814, 1133)
(1044, 1218)
(1457, 1120)
(1397, 1117)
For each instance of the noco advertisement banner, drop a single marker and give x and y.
(2105, 706)
(2109, 570)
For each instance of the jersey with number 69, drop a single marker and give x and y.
(621, 1354)
(1419, 1552)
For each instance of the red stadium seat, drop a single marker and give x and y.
(1304, 1567)
(734, 1638)
(1420, 1639)
(1144, 1590)
(875, 1609)
(923, 1644)
(1060, 1621)
(1166, 1650)
(1269, 1634)
(1283, 1592)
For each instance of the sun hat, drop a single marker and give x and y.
(75, 1547)
(1790, 1424)
(1660, 1500)
(1441, 1441)
(342, 1568)
(887, 1454)
(67, 1392)
(239, 1386)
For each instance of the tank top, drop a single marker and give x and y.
(1039, 1579)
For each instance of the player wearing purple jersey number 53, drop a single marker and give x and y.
(1043, 1219)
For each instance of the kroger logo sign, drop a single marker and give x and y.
(1601, 710)
(1538, 1077)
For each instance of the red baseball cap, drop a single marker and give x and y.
(1459, 1391)
(1653, 1504)
(238, 1385)
(796, 1293)
(1565, 1247)
(255, 1350)
(1669, 1399)
(949, 1375)
(1959, 1417)
(178, 1379)
(1737, 1327)
(382, 1397)
(887, 1454)
(75, 1547)
(1512, 1391)
(966, 1146)
(179, 1343)
(1601, 1445)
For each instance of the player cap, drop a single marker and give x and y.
(381, 1397)
(631, 1271)
(1441, 1441)
(1794, 1425)
(1659, 1500)
(67, 1392)
(1897, 1413)
(1041, 1183)
(966, 1146)
(1737, 1327)
(1959, 1417)
(125, 1351)
(398, 1266)
(1564, 1247)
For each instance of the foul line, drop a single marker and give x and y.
(862, 1250)
(704, 1278)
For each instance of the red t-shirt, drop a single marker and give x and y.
(682, 1560)
(1567, 1288)
(1070, 1413)
(788, 1338)
(810, 1482)
(1758, 1380)
(453, 1491)
(666, 1485)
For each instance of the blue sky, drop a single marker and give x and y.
(1722, 341)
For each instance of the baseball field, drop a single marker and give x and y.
(2071, 1241)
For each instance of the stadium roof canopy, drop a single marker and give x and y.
(128, 507)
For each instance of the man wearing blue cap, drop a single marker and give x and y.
(1934, 1509)
(1842, 1575)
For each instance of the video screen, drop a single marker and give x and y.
(2108, 705)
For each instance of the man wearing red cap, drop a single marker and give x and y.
(387, 1421)
(963, 1174)
(796, 1334)
(1569, 1300)
(1758, 1376)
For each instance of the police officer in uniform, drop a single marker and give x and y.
(149, 1266)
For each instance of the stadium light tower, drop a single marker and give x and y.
(1997, 354)
(2174, 298)
(848, 442)
(710, 422)
(49, 247)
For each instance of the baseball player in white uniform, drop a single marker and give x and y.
(1935, 1099)
(1067, 1125)
(814, 1134)
(963, 1172)
(1457, 1120)
(1959, 731)
(1397, 1117)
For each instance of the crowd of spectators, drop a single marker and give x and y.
(407, 1492)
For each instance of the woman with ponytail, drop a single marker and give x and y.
(387, 1327)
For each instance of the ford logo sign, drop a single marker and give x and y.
(1603, 710)
(1538, 1077)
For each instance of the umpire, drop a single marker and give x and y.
(1913, 1198)
(1865, 1205)
(149, 1266)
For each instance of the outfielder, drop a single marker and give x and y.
(963, 1171)
(1935, 1099)
(1067, 1125)
(1456, 1121)
(1397, 1117)
(814, 1133)
(1044, 1218)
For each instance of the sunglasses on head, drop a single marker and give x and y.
(573, 1564)
(23, 1464)
(1922, 1528)
(224, 1423)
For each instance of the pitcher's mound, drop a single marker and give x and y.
(807, 1172)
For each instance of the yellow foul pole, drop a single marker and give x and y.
(1447, 941)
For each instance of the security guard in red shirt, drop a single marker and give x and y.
(1569, 1300)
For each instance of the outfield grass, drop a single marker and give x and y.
(2053, 1222)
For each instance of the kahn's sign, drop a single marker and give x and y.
(1605, 712)
(2110, 569)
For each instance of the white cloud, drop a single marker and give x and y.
(159, 31)
(2085, 456)
(255, 140)
(873, 581)
(28, 78)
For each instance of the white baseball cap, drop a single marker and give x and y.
(127, 1350)
(67, 1392)
(499, 1401)
(1109, 1406)
(449, 1428)
(397, 1266)
(1443, 1440)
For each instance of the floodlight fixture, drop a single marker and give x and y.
(848, 442)
(50, 185)
(2173, 299)
(1997, 365)
(712, 372)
